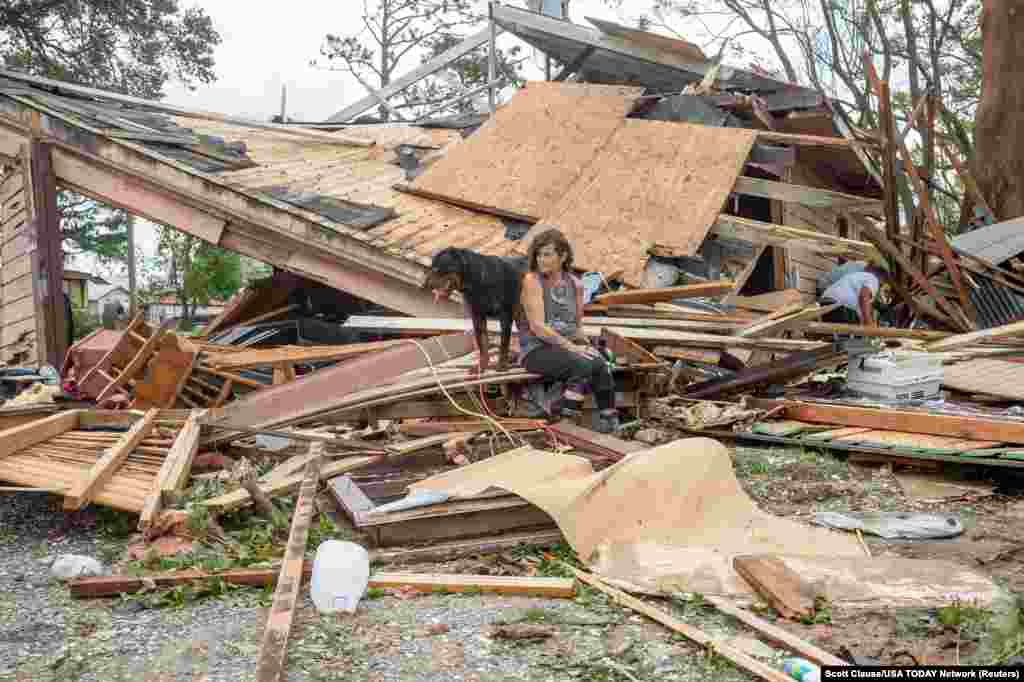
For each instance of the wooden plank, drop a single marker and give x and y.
(776, 325)
(103, 470)
(404, 81)
(498, 165)
(922, 441)
(782, 588)
(962, 340)
(800, 194)
(775, 634)
(830, 328)
(25, 436)
(784, 236)
(281, 486)
(704, 640)
(994, 377)
(652, 184)
(641, 296)
(469, 426)
(257, 358)
(321, 390)
(744, 276)
(772, 137)
(551, 588)
(695, 354)
(972, 428)
(270, 665)
(769, 302)
(182, 452)
(603, 445)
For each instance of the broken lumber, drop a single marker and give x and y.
(85, 489)
(320, 391)
(957, 426)
(271, 663)
(776, 634)
(741, 659)
(248, 359)
(774, 372)
(767, 303)
(776, 324)
(781, 588)
(602, 445)
(107, 586)
(961, 340)
(454, 426)
(663, 295)
(281, 486)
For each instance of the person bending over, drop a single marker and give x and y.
(551, 339)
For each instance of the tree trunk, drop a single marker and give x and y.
(999, 122)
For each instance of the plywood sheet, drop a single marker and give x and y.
(664, 519)
(525, 158)
(656, 183)
(994, 377)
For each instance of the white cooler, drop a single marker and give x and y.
(896, 375)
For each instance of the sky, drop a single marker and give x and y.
(267, 45)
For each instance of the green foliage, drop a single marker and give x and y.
(83, 322)
(132, 46)
(397, 32)
(197, 272)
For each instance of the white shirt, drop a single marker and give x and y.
(847, 290)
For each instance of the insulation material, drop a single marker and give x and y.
(527, 156)
(655, 184)
(668, 518)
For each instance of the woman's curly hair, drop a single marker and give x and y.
(551, 236)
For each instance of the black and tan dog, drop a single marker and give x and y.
(491, 287)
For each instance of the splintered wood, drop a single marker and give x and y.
(114, 459)
(270, 666)
(525, 158)
(655, 183)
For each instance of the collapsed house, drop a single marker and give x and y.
(339, 208)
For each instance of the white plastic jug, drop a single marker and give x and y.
(341, 571)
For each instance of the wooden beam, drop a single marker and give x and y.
(741, 279)
(48, 266)
(742, 660)
(962, 340)
(807, 196)
(602, 445)
(760, 232)
(39, 431)
(810, 140)
(781, 587)
(182, 452)
(83, 492)
(399, 84)
(970, 428)
(270, 667)
(153, 105)
(876, 332)
(637, 296)
(551, 588)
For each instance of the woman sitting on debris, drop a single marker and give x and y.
(551, 340)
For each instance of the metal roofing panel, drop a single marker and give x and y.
(993, 243)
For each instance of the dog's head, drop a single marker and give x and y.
(447, 272)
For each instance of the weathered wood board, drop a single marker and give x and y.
(525, 158)
(994, 377)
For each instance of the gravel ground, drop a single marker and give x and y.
(45, 636)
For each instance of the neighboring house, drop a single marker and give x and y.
(110, 294)
(76, 286)
(167, 307)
